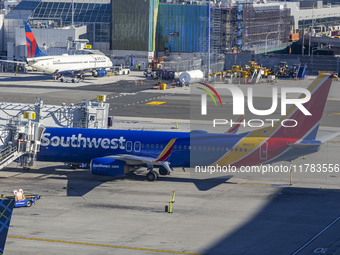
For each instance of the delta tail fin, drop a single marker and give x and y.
(6, 210)
(306, 125)
(33, 50)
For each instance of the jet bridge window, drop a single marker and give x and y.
(137, 146)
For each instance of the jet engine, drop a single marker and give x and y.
(108, 167)
(99, 73)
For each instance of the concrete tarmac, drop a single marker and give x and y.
(223, 213)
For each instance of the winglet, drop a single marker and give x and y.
(6, 210)
(32, 45)
(167, 151)
(234, 128)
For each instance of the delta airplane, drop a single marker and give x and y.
(64, 64)
(116, 152)
(74, 65)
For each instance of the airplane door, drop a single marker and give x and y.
(95, 62)
(264, 151)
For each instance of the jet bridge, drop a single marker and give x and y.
(86, 114)
(22, 125)
(20, 140)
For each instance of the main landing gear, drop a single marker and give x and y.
(152, 175)
(163, 171)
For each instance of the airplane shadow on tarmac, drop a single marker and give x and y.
(81, 181)
(287, 224)
(14, 78)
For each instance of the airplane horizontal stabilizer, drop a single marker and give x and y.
(326, 138)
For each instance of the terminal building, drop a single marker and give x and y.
(54, 25)
(121, 28)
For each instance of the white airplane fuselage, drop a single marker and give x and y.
(56, 64)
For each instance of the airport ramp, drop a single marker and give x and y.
(8, 155)
(20, 140)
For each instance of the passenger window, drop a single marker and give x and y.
(162, 146)
(148, 146)
(240, 149)
(235, 149)
(152, 146)
(157, 146)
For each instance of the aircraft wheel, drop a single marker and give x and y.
(151, 176)
(163, 171)
(29, 203)
(61, 79)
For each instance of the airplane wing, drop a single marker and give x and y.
(161, 160)
(12, 61)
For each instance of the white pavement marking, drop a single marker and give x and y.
(316, 236)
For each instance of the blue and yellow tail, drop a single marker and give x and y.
(6, 210)
(33, 50)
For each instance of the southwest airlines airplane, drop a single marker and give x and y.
(115, 152)
(63, 64)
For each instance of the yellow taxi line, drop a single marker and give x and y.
(101, 245)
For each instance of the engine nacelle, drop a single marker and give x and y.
(108, 167)
(99, 73)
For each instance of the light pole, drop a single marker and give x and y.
(209, 42)
(310, 34)
(267, 40)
